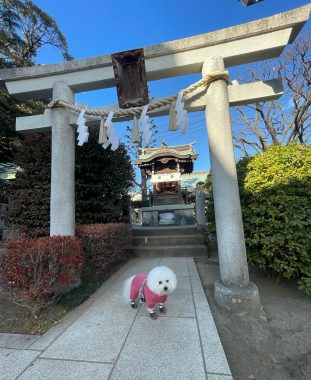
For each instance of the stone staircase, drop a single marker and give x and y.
(166, 241)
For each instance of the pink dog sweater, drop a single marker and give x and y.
(151, 298)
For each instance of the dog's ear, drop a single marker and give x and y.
(173, 281)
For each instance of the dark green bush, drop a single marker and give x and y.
(29, 193)
(103, 180)
(140, 203)
(275, 190)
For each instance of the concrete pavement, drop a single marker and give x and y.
(106, 339)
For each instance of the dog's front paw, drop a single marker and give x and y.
(134, 305)
(162, 309)
(153, 315)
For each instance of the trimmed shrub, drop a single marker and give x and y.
(103, 246)
(275, 191)
(37, 271)
(276, 204)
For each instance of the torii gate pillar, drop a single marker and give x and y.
(234, 292)
(62, 206)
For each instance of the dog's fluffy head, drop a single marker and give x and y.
(161, 280)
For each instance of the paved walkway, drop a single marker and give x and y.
(106, 339)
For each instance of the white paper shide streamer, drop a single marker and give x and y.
(111, 133)
(135, 131)
(182, 120)
(146, 127)
(102, 137)
(83, 133)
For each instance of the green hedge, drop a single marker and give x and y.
(275, 190)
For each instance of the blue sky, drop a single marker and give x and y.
(99, 27)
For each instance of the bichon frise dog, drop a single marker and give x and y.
(152, 288)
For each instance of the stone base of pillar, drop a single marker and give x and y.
(237, 300)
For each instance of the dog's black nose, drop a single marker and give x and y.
(165, 288)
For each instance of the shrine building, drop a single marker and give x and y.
(164, 166)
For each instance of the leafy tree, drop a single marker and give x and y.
(10, 108)
(29, 193)
(282, 121)
(24, 29)
(103, 179)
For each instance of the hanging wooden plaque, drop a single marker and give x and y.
(131, 81)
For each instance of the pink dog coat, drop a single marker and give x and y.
(151, 298)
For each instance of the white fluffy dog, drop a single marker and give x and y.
(152, 288)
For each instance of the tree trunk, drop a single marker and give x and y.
(143, 185)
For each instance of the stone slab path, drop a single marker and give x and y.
(105, 339)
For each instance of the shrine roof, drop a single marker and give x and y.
(179, 151)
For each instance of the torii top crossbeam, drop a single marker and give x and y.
(253, 41)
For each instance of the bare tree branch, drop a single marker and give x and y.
(282, 121)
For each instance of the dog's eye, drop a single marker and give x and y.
(160, 282)
(167, 280)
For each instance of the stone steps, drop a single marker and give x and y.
(165, 230)
(147, 241)
(171, 251)
(168, 241)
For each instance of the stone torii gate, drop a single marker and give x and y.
(206, 53)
